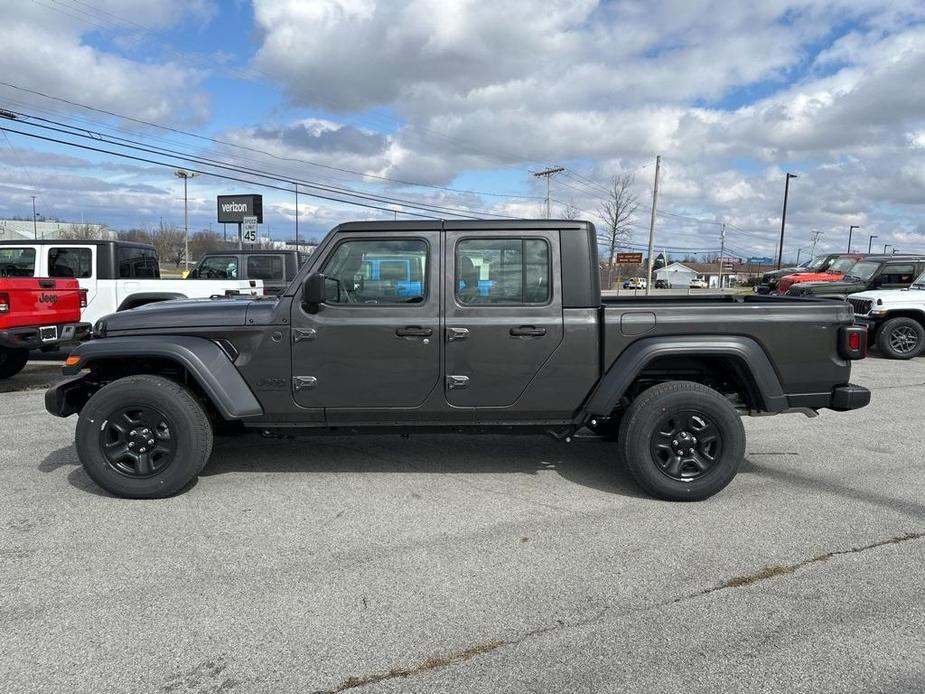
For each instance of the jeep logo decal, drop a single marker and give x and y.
(271, 383)
(48, 299)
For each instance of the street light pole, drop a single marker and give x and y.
(297, 216)
(35, 226)
(884, 248)
(783, 219)
(870, 242)
(850, 232)
(185, 175)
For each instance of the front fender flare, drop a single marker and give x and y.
(631, 362)
(204, 360)
(144, 298)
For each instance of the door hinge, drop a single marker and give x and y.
(304, 382)
(300, 334)
(455, 382)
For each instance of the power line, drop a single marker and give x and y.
(86, 134)
(207, 173)
(260, 152)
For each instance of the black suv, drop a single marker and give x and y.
(872, 272)
(276, 268)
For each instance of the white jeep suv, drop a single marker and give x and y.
(895, 318)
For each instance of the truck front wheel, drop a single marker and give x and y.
(143, 437)
(12, 361)
(901, 338)
(682, 441)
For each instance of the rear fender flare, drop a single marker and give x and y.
(634, 359)
(204, 360)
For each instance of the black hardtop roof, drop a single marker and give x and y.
(466, 225)
(250, 251)
(879, 257)
(75, 242)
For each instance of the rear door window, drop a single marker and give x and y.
(268, 268)
(138, 262)
(70, 262)
(897, 275)
(17, 262)
(506, 271)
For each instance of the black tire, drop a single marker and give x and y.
(12, 361)
(177, 444)
(901, 338)
(685, 416)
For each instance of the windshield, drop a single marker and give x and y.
(842, 265)
(815, 264)
(863, 270)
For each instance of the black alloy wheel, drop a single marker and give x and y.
(137, 441)
(901, 338)
(686, 444)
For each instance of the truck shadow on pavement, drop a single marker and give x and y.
(588, 463)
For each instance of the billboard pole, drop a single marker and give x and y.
(240, 236)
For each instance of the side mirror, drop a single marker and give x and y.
(313, 292)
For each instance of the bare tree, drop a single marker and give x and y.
(137, 235)
(170, 244)
(82, 232)
(203, 242)
(570, 211)
(617, 213)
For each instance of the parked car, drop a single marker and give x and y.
(539, 351)
(116, 275)
(635, 283)
(276, 268)
(831, 272)
(662, 284)
(895, 318)
(698, 283)
(37, 313)
(873, 272)
(768, 283)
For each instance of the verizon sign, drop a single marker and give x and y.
(234, 208)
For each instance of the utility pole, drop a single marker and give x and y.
(799, 252)
(658, 166)
(783, 219)
(35, 226)
(870, 242)
(185, 175)
(816, 235)
(548, 173)
(850, 232)
(722, 251)
(297, 216)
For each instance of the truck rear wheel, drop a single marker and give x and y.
(12, 361)
(143, 437)
(901, 338)
(682, 441)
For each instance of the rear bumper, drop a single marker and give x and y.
(31, 338)
(849, 397)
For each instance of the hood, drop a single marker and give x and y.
(839, 287)
(180, 313)
(893, 296)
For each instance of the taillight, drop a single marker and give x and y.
(83, 298)
(4, 302)
(853, 342)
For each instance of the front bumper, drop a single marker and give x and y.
(69, 395)
(849, 397)
(31, 338)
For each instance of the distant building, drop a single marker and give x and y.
(16, 229)
(677, 275)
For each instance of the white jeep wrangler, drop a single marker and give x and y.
(895, 318)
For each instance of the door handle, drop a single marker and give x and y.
(414, 331)
(453, 334)
(527, 331)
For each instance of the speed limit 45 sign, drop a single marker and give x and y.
(249, 229)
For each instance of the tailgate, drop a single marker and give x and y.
(38, 302)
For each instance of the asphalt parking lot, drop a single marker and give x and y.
(454, 564)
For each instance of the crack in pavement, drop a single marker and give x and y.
(460, 656)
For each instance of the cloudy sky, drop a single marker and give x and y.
(445, 108)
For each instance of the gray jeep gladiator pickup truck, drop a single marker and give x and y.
(459, 326)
